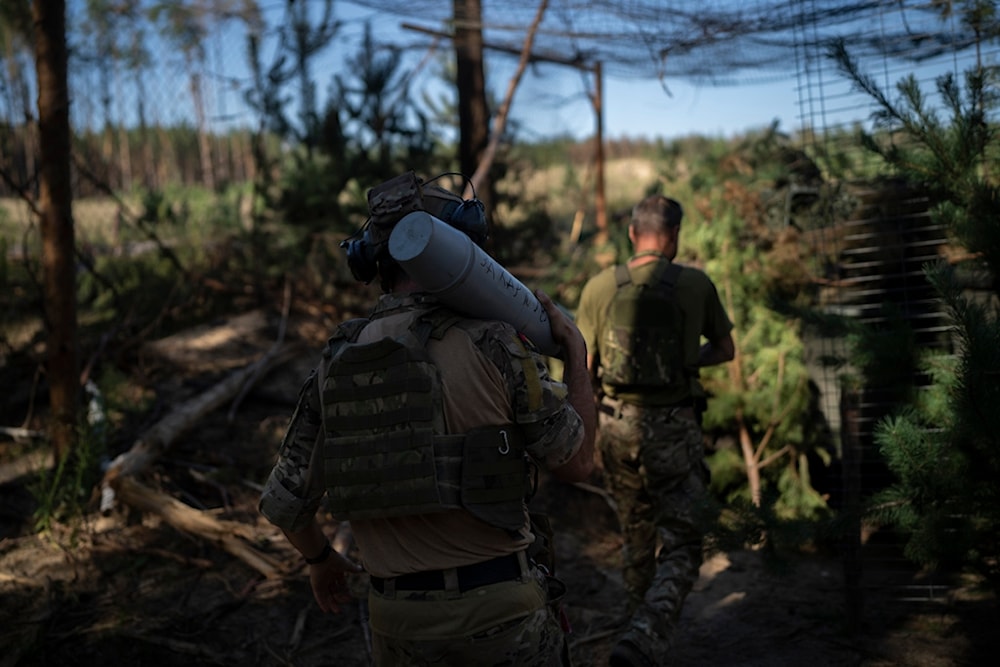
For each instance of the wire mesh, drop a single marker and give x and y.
(880, 253)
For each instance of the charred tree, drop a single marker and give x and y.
(55, 209)
(473, 112)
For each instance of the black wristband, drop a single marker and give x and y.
(323, 555)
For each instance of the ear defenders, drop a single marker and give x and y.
(468, 217)
(364, 254)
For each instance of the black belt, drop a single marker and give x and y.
(504, 568)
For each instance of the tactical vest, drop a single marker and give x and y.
(641, 344)
(385, 451)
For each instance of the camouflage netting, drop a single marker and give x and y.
(711, 42)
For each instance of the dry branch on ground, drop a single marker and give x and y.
(120, 482)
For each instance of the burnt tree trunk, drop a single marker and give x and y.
(473, 113)
(55, 207)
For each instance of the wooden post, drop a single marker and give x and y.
(600, 202)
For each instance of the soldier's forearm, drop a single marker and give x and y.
(580, 394)
(310, 541)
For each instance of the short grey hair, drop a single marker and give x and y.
(656, 214)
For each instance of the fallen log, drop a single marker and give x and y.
(232, 536)
(119, 480)
(165, 432)
(18, 434)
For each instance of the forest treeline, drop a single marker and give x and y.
(131, 160)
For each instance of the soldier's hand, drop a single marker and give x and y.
(564, 331)
(328, 582)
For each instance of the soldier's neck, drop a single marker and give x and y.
(646, 256)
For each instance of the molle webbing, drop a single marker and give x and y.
(384, 453)
(380, 404)
(375, 483)
(402, 375)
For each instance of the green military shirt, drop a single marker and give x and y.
(704, 316)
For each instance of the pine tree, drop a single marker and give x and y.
(762, 396)
(944, 449)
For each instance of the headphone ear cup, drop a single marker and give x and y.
(470, 217)
(361, 260)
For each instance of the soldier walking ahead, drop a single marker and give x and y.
(643, 323)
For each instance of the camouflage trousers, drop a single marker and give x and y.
(509, 624)
(654, 462)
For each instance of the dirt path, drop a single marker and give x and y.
(136, 592)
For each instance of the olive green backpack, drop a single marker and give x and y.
(641, 344)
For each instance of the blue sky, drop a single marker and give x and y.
(635, 108)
